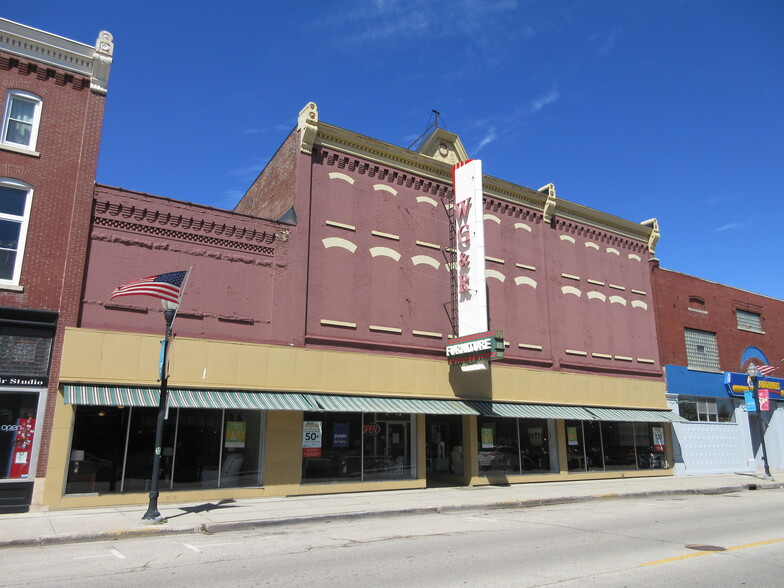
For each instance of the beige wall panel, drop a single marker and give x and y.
(128, 360)
(253, 366)
(336, 371)
(82, 351)
(222, 363)
(188, 362)
(59, 452)
(280, 364)
(283, 448)
(127, 357)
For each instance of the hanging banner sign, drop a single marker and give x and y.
(764, 399)
(748, 398)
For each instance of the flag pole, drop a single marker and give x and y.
(152, 514)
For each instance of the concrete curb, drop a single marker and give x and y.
(212, 528)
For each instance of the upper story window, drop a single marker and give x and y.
(15, 200)
(697, 304)
(702, 352)
(21, 116)
(749, 321)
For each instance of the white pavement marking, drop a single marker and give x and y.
(199, 550)
(114, 553)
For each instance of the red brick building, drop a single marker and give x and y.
(311, 340)
(707, 330)
(53, 92)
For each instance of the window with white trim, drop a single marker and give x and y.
(15, 201)
(702, 353)
(711, 410)
(749, 321)
(21, 117)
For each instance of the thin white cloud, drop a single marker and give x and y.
(489, 137)
(607, 41)
(729, 227)
(401, 20)
(252, 131)
(546, 99)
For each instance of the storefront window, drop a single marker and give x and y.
(609, 445)
(514, 446)
(357, 447)
(17, 434)
(619, 447)
(592, 435)
(112, 449)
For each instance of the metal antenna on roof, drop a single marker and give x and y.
(431, 125)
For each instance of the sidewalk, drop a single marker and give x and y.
(68, 526)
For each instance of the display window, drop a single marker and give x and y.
(614, 446)
(17, 434)
(515, 446)
(339, 447)
(112, 449)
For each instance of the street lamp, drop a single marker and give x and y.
(152, 514)
(754, 377)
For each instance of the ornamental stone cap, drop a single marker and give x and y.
(444, 146)
(57, 51)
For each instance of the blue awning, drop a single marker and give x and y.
(683, 381)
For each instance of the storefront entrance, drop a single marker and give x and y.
(444, 450)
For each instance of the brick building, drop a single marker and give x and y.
(53, 93)
(709, 333)
(310, 348)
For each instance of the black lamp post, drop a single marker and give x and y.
(754, 376)
(152, 514)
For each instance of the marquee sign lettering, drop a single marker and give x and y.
(470, 247)
(477, 347)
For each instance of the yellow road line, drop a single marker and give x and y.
(701, 553)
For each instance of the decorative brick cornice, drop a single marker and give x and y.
(41, 47)
(348, 147)
(148, 220)
(599, 235)
(43, 73)
(339, 160)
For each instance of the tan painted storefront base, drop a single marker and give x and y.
(108, 358)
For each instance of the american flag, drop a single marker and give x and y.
(764, 370)
(164, 286)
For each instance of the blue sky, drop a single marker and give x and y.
(671, 109)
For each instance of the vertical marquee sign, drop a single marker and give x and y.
(470, 247)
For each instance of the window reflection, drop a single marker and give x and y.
(112, 449)
(356, 447)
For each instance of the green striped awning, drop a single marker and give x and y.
(331, 403)
(110, 396)
(533, 411)
(631, 415)
(181, 398)
(229, 399)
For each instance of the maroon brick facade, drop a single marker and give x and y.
(62, 176)
(567, 296)
(235, 260)
(684, 301)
